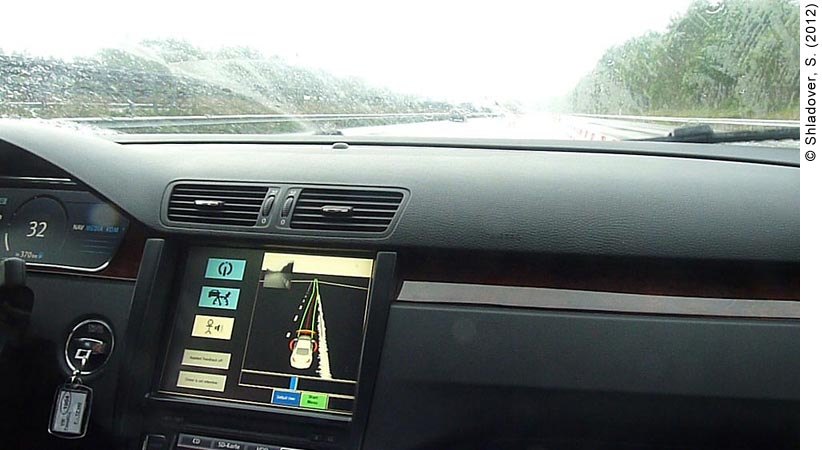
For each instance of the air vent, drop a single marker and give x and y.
(216, 204)
(345, 210)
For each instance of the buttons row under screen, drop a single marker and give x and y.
(192, 442)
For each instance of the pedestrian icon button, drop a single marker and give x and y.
(212, 327)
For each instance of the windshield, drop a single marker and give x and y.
(597, 70)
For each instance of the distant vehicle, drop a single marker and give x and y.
(302, 355)
(279, 279)
(456, 116)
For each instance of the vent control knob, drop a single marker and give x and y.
(289, 202)
(268, 204)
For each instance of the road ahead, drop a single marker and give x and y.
(539, 126)
(529, 126)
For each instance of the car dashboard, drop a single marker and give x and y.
(306, 293)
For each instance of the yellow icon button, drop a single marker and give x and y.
(213, 327)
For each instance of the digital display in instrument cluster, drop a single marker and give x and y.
(59, 228)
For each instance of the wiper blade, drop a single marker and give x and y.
(704, 134)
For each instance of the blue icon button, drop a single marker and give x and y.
(225, 269)
(219, 297)
(285, 398)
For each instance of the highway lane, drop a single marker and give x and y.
(526, 126)
(531, 126)
(559, 127)
(589, 128)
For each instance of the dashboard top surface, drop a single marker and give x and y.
(599, 200)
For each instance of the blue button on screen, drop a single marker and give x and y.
(225, 269)
(285, 398)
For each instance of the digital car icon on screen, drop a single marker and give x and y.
(303, 346)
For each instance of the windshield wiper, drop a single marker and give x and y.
(704, 134)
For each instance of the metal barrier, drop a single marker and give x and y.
(702, 120)
(191, 121)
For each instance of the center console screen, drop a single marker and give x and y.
(282, 330)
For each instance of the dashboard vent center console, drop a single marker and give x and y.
(284, 208)
(329, 209)
(216, 204)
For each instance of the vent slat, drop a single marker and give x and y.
(198, 212)
(232, 206)
(240, 207)
(357, 211)
(371, 211)
(187, 189)
(236, 199)
(211, 220)
(352, 197)
(348, 203)
(338, 226)
(353, 218)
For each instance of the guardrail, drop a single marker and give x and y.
(702, 120)
(190, 121)
(46, 104)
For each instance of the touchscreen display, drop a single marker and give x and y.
(277, 329)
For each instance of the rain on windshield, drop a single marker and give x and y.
(513, 69)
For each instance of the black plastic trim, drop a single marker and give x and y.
(143, 333)
(576, 300)
(382, 292)
(455, 375)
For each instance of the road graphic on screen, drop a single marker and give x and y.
(307, 337)
(308, 324)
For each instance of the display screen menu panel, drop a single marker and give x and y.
(276, 329)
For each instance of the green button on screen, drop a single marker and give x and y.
(314, 401)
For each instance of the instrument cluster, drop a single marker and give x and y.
(59, 228)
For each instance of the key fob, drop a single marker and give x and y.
(70, 411)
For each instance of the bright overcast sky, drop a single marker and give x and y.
(493, 49)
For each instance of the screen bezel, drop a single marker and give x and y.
(180, 278)
(382, 285)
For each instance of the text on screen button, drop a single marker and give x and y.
(286, 398)
(204, 381)
(314, 401)
(201, 358)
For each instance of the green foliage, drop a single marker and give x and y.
(122, 60)
(734, 58)
(174, 78)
